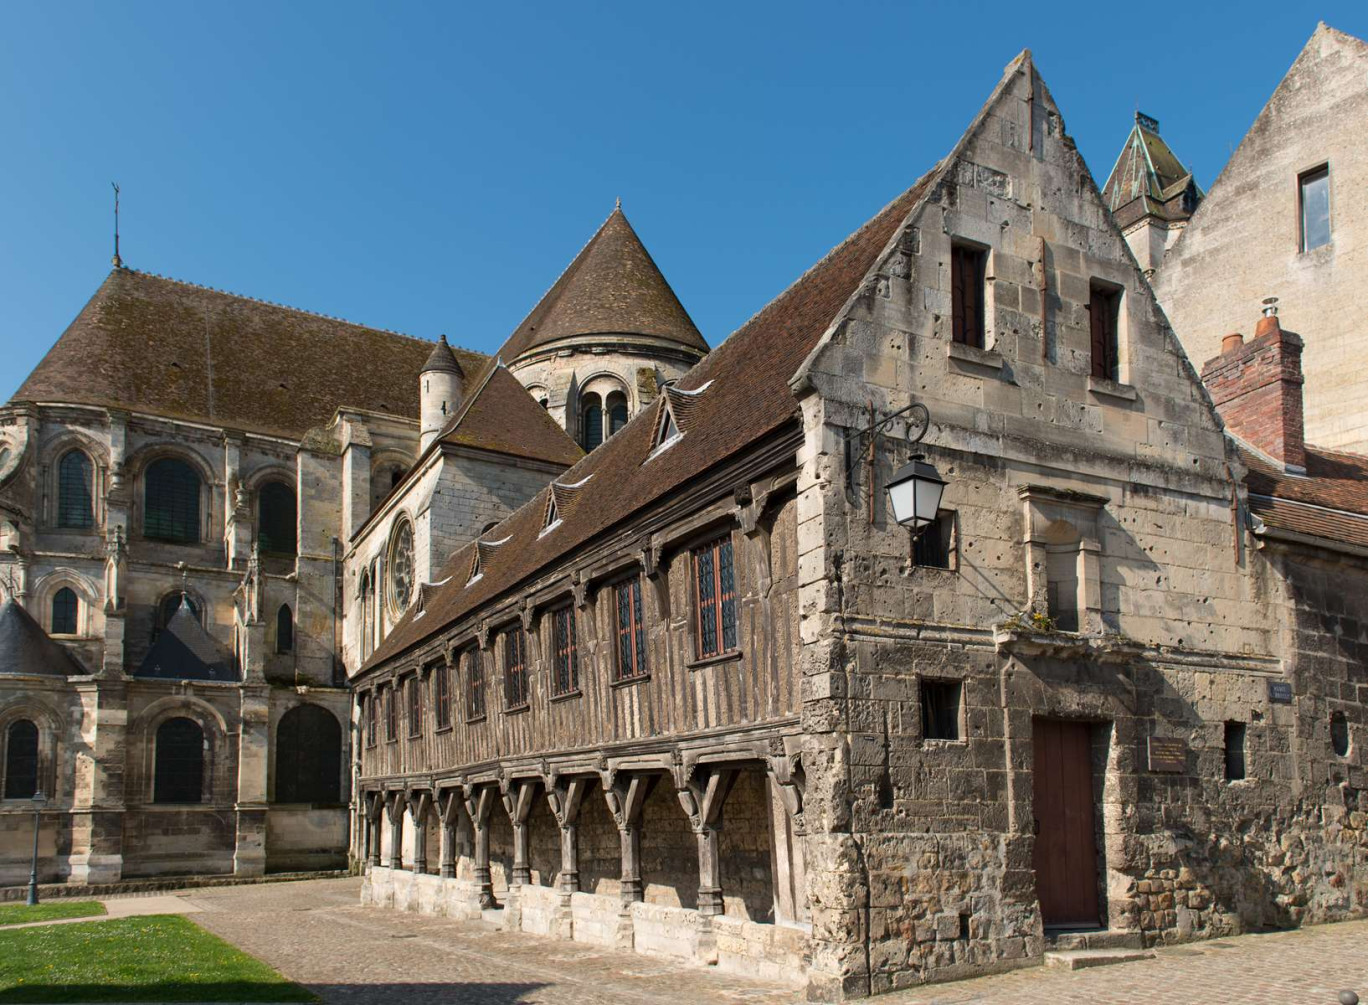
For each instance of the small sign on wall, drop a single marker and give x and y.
(1280, 692)
(1167, 754)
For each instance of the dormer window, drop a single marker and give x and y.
(551, 520)
(667, 430)
(475, 572)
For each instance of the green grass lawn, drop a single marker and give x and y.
(19, 914)
(150, 959)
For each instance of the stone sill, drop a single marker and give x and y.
(1069, 645)
(1105, 388)
(711, 661)
(963, 353)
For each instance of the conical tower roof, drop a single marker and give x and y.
(443, 359)
(1148, 178)
(612, 287)
(26, 649)
(185, 651)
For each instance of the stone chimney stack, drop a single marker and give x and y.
(1257, 387)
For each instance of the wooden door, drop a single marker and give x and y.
(1066, 842)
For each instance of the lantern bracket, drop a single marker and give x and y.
(918, 423)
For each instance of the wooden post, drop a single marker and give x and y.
(702, 800)
(518, 803)
(565, 804)
(449, 812)
(419, 807)
(626, 797)
(396, 818)
(479, 803)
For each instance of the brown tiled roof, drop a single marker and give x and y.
(500, 415)
(612, 286)
(744, 396)
(1331, 501)
(156, 345)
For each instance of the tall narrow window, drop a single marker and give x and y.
(565, 679)
(475, 685)
(364, 596)
(178, 776)
(21, 760)
(1234, 751)
(1339, 734)
(515, 668)
(1104, 309)
(1314, 191)
(372, 717)
(74, 505)
(391, 715)
(171, 502)
(284, 630)
(968, 269)
(64, 610)
(591, 421)
(940, 701)
(277, 533)
(617, 412)
(715, 598)
(933, 547)
(441, 694)
(631, 633)
(415, 706)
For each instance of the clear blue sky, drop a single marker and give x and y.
(432, 168)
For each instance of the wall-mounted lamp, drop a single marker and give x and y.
(915, 490)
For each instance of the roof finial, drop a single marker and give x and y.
(619, 203)
(118, 262)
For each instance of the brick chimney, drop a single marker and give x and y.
(1257, 387)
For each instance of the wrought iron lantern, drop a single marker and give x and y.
(914, 491)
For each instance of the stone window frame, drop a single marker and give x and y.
(1119, 277)
(51, 477)
(1300, 178)
(46, 590)
(208, 515)
(256, 484)
(215, 732)
(47, 721)
(1044, 505)
(390, 604)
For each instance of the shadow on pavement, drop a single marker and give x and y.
(455, 992)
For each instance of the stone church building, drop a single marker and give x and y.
(211, 507)
(616, 638)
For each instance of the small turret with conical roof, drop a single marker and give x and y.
(439, 391)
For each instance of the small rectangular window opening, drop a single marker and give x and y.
(441, 697)
(1234, 751)
(1314, 196)
(933, 547)
(415, 707)
(968, 272)
(714, 599)
(940, 701)
(1104, 308)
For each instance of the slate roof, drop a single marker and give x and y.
(1331, 501)
(1148, 178)
(500, 415)
(741, 394)
(613, 286)
(165, 347)
(28, 650)
(442, 359)
(185, 651)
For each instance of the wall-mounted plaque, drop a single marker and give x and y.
(1280, 692)
(1167, 754)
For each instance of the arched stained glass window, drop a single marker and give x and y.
(178, 776)
(75, 508)
(591, 421)
(65, 607)
(308, 756)
(284, 629)
(276, 525)
(21, 760)
(617, 412)
(171, 502)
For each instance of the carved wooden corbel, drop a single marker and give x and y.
(579, 589)
(657, 573)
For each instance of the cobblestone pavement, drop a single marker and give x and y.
(317, 934)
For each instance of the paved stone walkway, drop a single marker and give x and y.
(317, 934)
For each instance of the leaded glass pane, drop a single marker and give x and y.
(74, 507)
